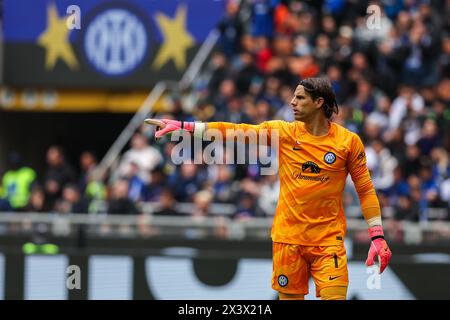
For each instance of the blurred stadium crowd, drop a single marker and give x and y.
(393, 87)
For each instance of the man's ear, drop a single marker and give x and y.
(319, 102)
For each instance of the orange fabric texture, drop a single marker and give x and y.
(313, 172)
(292, 265)
(333, 293)
(287, 296)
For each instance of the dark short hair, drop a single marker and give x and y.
(321, 87)
(71, 186)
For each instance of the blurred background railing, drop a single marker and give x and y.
(217, 225)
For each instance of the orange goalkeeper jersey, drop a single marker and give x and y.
(313, 172)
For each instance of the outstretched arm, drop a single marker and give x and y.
(165, 126)
(226, 129)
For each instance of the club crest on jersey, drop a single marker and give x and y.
(282, 280)
(329, 157)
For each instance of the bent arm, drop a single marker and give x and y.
(370, 205)
(263, 133)
(359, 172)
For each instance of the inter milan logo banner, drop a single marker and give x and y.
(103, 44)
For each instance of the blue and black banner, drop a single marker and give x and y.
(103, 44)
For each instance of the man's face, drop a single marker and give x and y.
(138, 142)
(71, 195)
(54, 157)
(120, 189)
(303, 106)
(87, 160)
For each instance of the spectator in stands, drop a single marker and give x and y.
(360, 71)
(233, 112)
(137, 188)
(157, 185)
(168, 167)
(429, 188)
(372, 128)
(271, 94)
(71, 201)
(366, 98)
(231, 29)
(411, 163)
(96, 192)
(245, 71)
(323, 51)
(141, 153)
(16, 184)
(268, 196)
(218, 69)
(263, 111)
(262, 18)
(37, 200)
(408, 104)
(417, 202)
(88, 162)
(404, 209)
(399, 187)
(221, 98)
(418, 67)
(365, 34)
(429, 138)
(202, 204)
(246, 207)
(57, 175)
(187, 182)
(388, 59)
(344, 45)
(263, 53)
(381, 165)
(328, 26)
(283, 19)
(167, 205)
(118, 202)
(444, 59)
(441, 164)
(223, 185)
(440, 113)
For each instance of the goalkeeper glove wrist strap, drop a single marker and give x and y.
(376, 232)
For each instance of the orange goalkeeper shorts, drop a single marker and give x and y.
(294, 264)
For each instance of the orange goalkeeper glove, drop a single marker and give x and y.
(378, 248)
(165, 126)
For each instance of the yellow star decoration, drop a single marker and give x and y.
(55, 40)
(176, 39)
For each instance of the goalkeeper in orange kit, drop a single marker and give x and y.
(309, 227)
